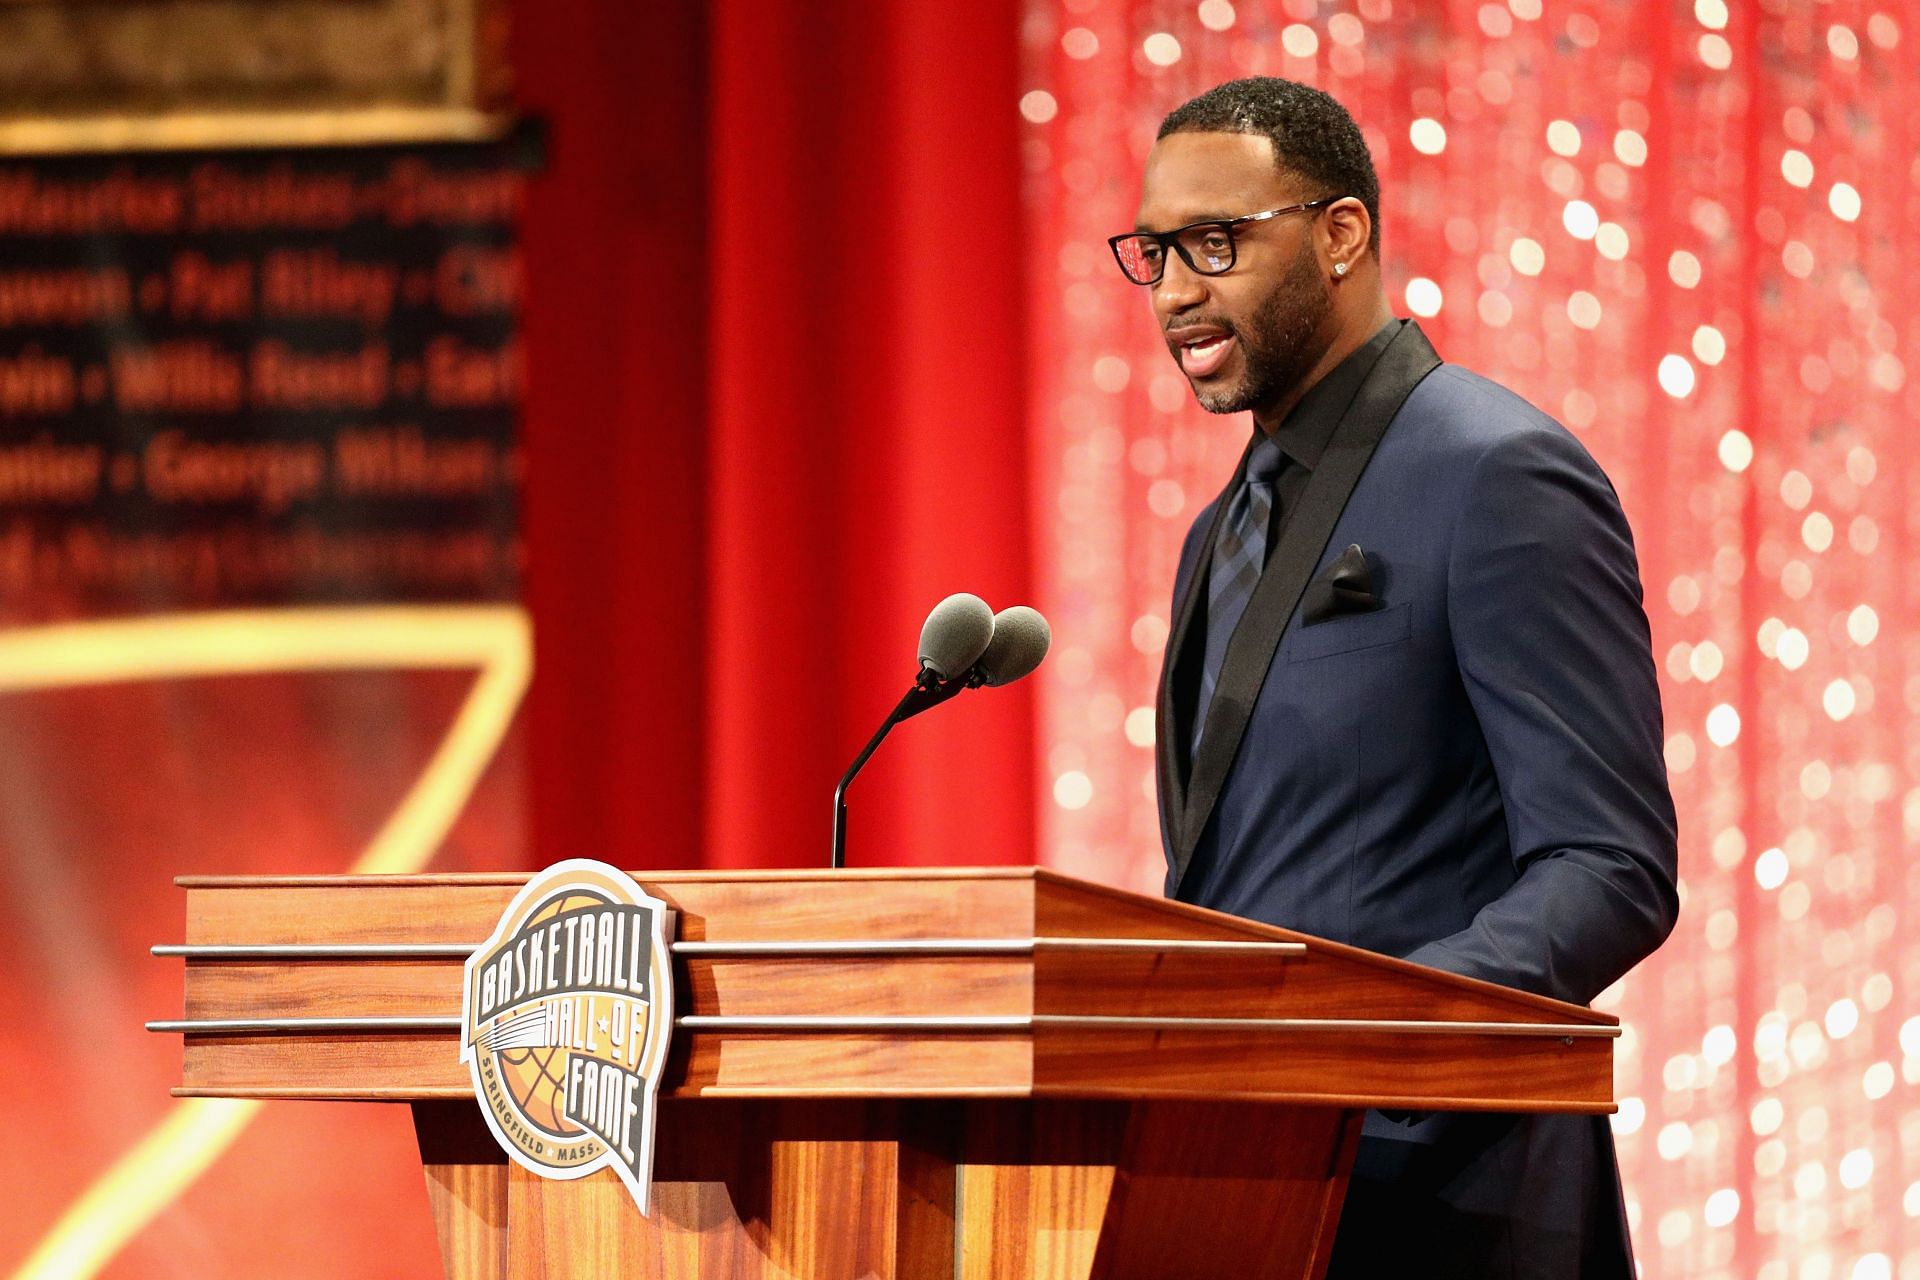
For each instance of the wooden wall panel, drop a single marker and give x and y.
(1214, 1189)
(773, 905)
(1334, 1067)
(881, 986)
(742, 1191)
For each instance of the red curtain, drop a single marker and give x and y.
(614, 424)
(774, 415)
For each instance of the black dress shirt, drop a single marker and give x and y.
(1302, 435)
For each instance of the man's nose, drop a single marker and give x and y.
(1180, 287)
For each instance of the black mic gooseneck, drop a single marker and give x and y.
(928, 692)
(962, 646)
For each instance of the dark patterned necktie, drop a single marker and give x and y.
(1238, 557)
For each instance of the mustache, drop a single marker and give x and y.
(1211, 322)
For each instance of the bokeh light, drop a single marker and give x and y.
(1679, 230)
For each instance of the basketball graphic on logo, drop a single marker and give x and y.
(566, 1015)
(532, 1076)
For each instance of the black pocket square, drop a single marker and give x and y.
(1345, 586)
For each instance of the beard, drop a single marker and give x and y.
(1277, 343)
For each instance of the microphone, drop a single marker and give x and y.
(1020, 640)
(963, 645)
(954, 637)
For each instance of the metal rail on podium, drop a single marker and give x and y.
(989, 1073)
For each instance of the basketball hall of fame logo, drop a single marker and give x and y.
(566, 1016)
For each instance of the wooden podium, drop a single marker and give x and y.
(987, 1074)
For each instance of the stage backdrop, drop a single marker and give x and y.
(259, 613)
(786, 320)
(1687, 230)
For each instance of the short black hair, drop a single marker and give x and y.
(1312, 135)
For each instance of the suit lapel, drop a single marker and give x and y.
(1169, 751)
(1407, 359)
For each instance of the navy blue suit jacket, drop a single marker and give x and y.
(1468, 775)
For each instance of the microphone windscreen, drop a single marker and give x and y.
(1020, 640)
(955, 634)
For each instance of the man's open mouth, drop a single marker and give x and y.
(1203, 356)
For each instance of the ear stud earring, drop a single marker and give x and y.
(1339, 268)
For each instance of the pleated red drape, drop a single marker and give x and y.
(866, 448)
(775, 413)
(615, 419)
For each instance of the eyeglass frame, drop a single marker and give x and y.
(1171, 238)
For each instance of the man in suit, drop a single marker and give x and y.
(1408, 700)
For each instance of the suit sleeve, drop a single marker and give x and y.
(1544, 601)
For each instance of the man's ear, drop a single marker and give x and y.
(1348, 230)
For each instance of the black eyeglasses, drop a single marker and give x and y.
(1206, 247)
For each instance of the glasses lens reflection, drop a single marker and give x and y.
(1207, 248)
(1141, 257)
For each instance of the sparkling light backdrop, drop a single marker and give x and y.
(1686, 230)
